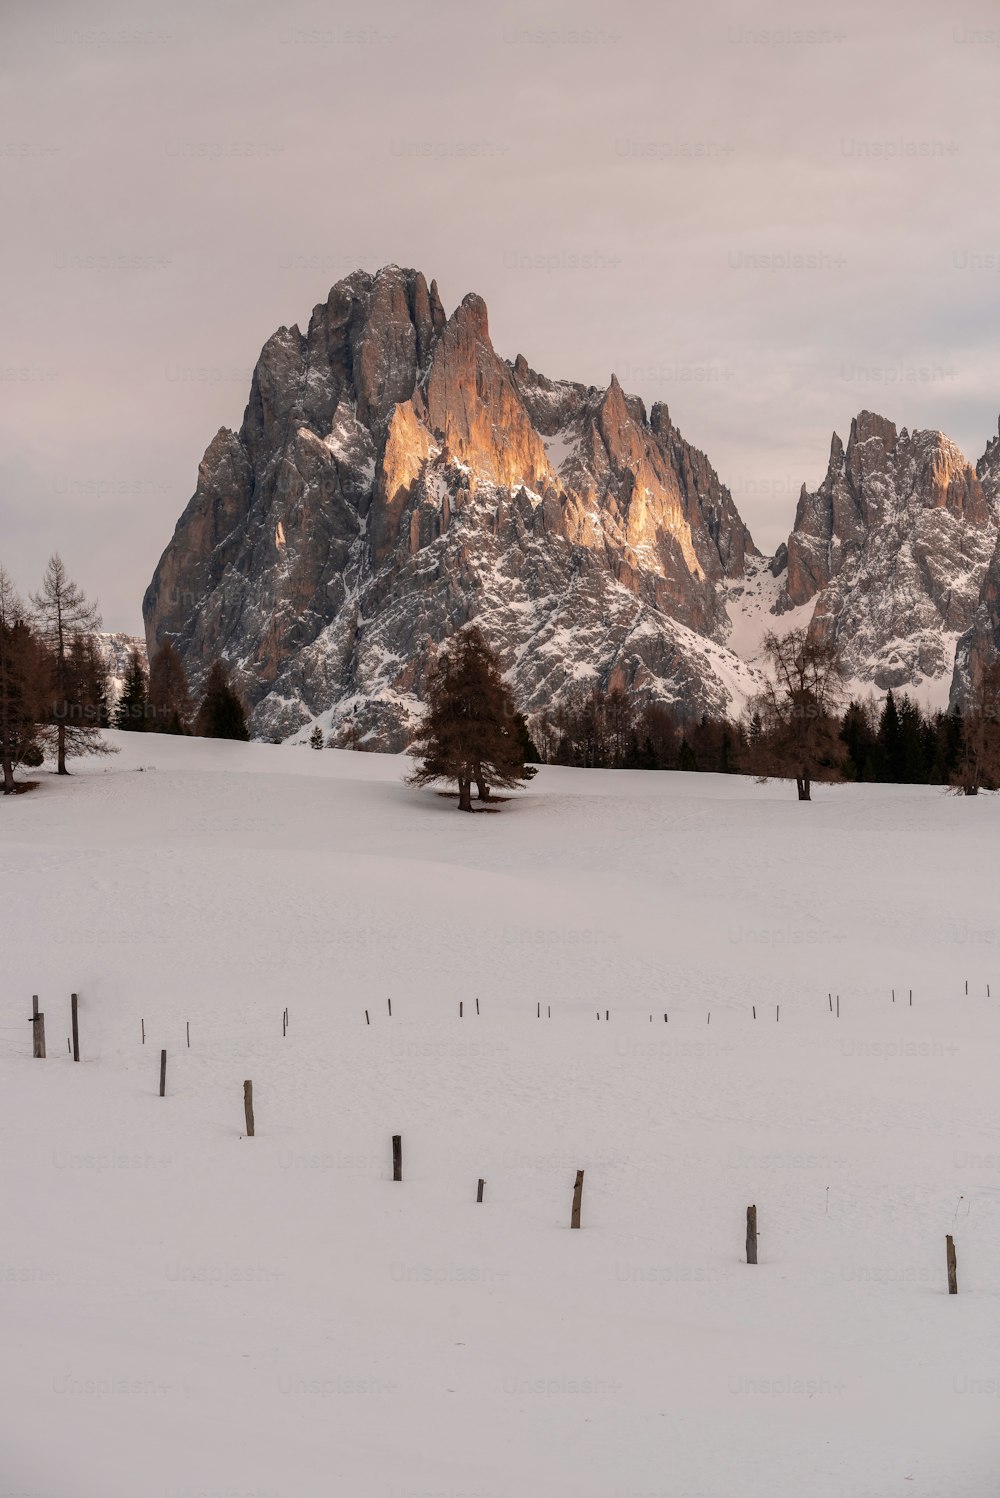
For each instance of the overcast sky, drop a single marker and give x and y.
(181, 180)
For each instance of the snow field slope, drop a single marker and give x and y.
(186, 1311)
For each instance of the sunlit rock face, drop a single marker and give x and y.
(980, 645)
(892, 550)
(395, 478)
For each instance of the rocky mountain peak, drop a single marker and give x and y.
(394, 477)
(891, 550)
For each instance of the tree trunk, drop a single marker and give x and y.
(61, 748)
(972, 788)
(482, 789)
(465, 793)
(802, 785)
(8, 776)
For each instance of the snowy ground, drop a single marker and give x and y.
(187, 1312)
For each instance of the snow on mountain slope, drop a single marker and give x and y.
(891, 552)
(187, 1311)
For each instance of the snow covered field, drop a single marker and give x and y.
(186, 1312)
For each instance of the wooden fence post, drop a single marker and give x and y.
(248, 1107)
(577, 1200)
(163, 1074)
(397, 1157)
(751, 1235)
(479, 1193)
(37, 1031)
(949, 1244)
(76, 1026)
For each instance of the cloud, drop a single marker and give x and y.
(766, 220)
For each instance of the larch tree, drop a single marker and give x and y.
(978, 765)
(66, 622)
(798, 708)
(222, 714)
(169, 698)
(23, 668)
(471, 733)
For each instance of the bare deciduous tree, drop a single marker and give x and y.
(799, 730)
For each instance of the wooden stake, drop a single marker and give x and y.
(76, 1026)
(838, 1006)
(477, 1005)
(949, 1244)
(397, 1157)
(754, 1007)
(574, 1221)
(248, 1107)
(143, 1023)
(188, 1027)
(751, 1235)
(830, 997)
(894, 996)
(461, 1009)
(777, 1013)
(367, 1020)
(479, 1191)
(389, 1002)
(163, 1074)
(37, 1031)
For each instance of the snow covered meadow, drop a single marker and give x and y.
(187, 1312)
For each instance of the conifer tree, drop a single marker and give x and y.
(66, 622)
(131, 708)
(22, 678)
(470, 733)
(221, 714)
(170, 707)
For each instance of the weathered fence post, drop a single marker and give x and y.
(751, 1235)
(577, 1200)
(397, 1157)
(949, 1244)
(479, 1192)
(248, 1107)
(163, 1074)
(76, 1026)
(37, 1031)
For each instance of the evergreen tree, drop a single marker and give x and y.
(889, 754)
(131, 708)
(316, 738)
(221, 714)
(170, 707)
(67, 622)
(470, 732)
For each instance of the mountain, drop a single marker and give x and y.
(980, 645)
(394, 478)
(891, 551)
(115, 648)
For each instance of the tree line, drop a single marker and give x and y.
(796, 729)
(54, 689)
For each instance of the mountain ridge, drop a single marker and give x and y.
(394, 477)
